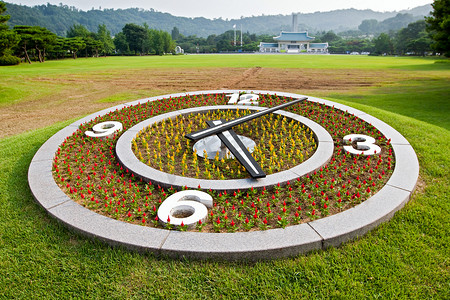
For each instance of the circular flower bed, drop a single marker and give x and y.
(87, 170)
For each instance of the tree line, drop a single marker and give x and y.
(58, 19)
(414, 39)
(35, 43)
(430, 35)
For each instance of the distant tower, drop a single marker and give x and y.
(294, 22)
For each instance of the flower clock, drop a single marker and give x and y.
(225, 174)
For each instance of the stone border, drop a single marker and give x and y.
(257, 245)
(128, 159)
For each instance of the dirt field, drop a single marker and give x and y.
(82, 94)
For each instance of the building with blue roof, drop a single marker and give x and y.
(294, 42)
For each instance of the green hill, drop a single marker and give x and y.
(58, 19)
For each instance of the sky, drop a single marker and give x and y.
(234, 9)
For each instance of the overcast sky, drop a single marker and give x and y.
(233, 9)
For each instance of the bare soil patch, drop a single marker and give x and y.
(81, 94)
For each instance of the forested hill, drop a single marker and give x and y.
(58, 19)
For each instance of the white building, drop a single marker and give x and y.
(294, 42)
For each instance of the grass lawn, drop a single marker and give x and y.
(408, 257)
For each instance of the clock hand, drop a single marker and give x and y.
(230, 124)
(235, 145)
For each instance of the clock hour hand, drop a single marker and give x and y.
(230, 124)
(237, 148)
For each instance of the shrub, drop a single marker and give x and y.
(9, 60)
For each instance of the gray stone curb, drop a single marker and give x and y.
(258, 245)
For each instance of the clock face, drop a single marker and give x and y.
(318, 158)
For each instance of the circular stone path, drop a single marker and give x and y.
(274, 243)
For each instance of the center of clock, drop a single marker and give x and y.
(212, 147)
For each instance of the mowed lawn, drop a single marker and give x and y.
(407, 257)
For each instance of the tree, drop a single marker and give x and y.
(413, 38)
(8, 38)
(175, 33)
(104, 37)
(77, 30)
(35, 39)
(121, 44)
(368, 26)
(43, 40)
(383, 44)
(439, 26)
(135, 36)
(74, 45)
(330, 36)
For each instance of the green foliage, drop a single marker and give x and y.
(35, 39)
(74, 45)
(368, 26)
(439, 26)
(104, 37)
(121, 44)
(135, 36)
(413, 38)
(372, 26)
(143, 40)
(78, 30)
(59, 18)
(9, 60)
(8, 38)
(383, 45)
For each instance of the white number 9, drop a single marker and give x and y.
(105, 129)
(365, 145)
(187, 207)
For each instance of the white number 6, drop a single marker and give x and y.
(105, 129)
(365, 145)
(187, 207)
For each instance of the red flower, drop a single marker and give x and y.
(247, 220)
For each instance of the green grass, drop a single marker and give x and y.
(408, 257)
(81, 65)
(426, 99)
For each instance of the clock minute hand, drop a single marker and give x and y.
(230, 124)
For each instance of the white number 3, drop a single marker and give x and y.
(365, 145)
